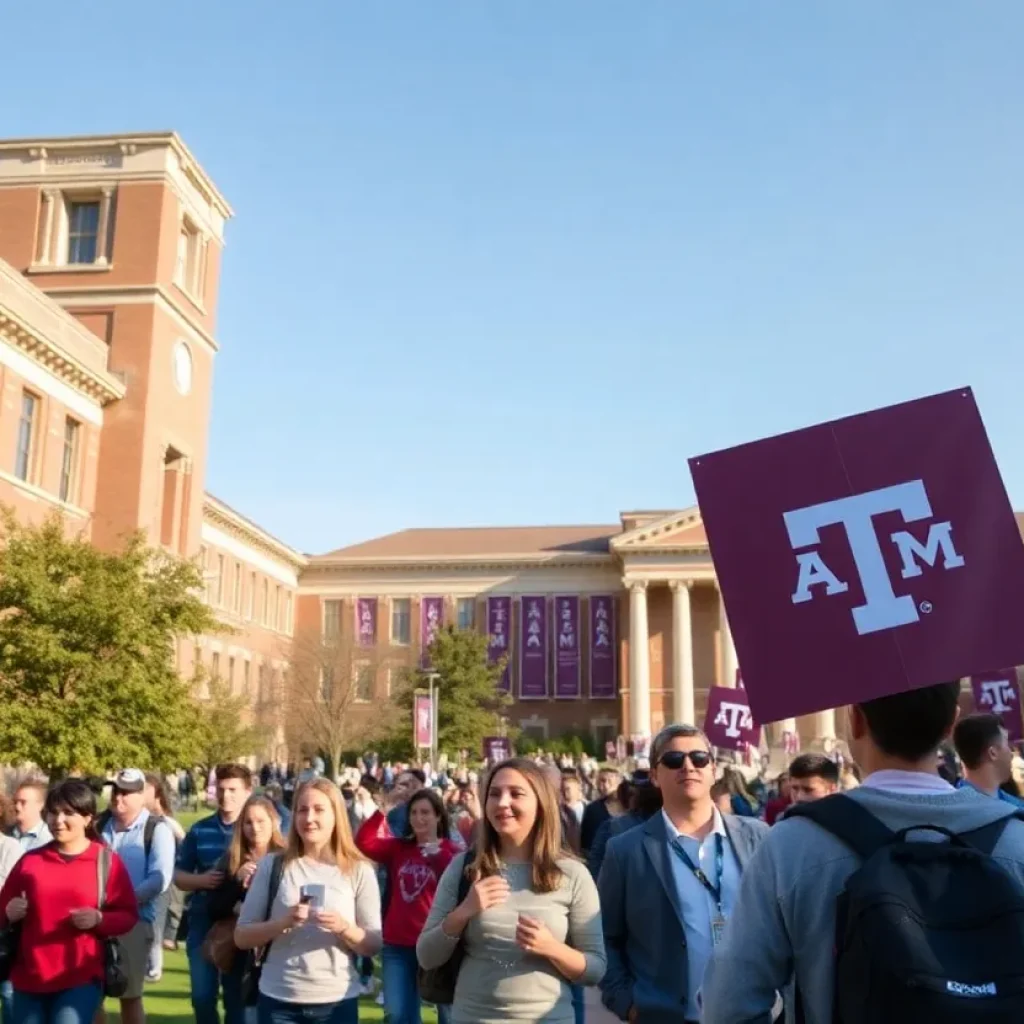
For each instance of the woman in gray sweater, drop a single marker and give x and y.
(531, 921)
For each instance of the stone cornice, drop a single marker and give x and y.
(647, 535)
(233, 523)
(101, 387)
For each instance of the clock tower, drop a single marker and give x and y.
(126, 232)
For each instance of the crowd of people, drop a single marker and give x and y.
(684, 889)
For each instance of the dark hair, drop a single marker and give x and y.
(624, 792)
(814, 766)
(647, 800)
(974, 734)
(225, 772)
(443, 824)
(74, 796)
(911, 725)
(416, 773)
(370, 784)
(720, 789)
(670, 733)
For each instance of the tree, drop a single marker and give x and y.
(330, 700)
(87, 651)
(469, 704)
(226, 731)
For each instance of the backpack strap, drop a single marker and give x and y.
(848, 820)
(463, 877)
(102, 875)
(276, 871)
(986, 838)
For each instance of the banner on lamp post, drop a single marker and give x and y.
(422, 721)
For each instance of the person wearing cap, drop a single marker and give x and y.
(150, 867)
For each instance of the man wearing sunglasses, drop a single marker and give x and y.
(667, 887)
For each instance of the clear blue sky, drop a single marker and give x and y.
(502, 262)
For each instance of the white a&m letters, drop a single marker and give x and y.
(735, 717)
(882, 608)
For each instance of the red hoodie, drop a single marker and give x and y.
(53, 954)
(412, 877)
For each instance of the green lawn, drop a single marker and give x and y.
(168, 1001)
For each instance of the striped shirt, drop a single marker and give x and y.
(207, 841)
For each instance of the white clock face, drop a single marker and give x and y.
(182, 368)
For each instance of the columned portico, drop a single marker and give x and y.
(684, 709)
(728, 655)
(639, 662)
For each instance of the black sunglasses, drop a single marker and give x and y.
(675, 759)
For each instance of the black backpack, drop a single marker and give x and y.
(929, 932)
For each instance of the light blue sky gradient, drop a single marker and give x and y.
(504, 262)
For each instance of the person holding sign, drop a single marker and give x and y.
(659, 934)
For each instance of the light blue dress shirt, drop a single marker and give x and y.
(699, 908)
(39, 836)
(150, 875)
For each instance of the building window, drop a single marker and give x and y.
(190, 270)
(467, 612)
(401, 621)
(215, 665)
(246, 666)
(231, 675)
(220, 581)
(83, 231)
(197, 661)
(69, 460)
(265, 605)
(288, 612)
(332, 621)
(236, 589)
(277, 607)
(250, 603)
(26, 435)
(363, 683)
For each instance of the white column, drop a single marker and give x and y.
(103, 229)
(46, 249)
(729, 662)
(682, 653)
(825, 725)
(639, 662)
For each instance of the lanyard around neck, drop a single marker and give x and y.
(714, 889)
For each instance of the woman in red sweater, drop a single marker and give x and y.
(414, 862)
(53, 892)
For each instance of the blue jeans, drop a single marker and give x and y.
(72, 1006)
(579, 1009)
(207, 982)
(273, 1011)
(401, 996)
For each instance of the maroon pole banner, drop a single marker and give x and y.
(999, 694)
(568, 683)
(881, 545)
(431, 619)
(729, 723)
(496, 748)
(499, 627)
(533, 648)
(366, 621)
(602, 647)
(422, 720)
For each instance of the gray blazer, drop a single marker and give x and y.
(643, 920)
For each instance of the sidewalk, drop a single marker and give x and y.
(596, 1013)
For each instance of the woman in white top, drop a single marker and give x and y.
(325, 913)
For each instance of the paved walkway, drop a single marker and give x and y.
(596, 1013)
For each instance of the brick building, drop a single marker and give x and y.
(110, 251)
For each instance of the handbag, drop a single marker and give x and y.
(253, 969)
(10, 938)
(437, 984)
(219, 946)
(115, 979)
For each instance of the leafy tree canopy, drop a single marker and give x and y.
(88, 680)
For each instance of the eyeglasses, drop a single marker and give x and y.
(675, 759)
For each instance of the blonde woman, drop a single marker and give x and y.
(325, 913)
(531, 922)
